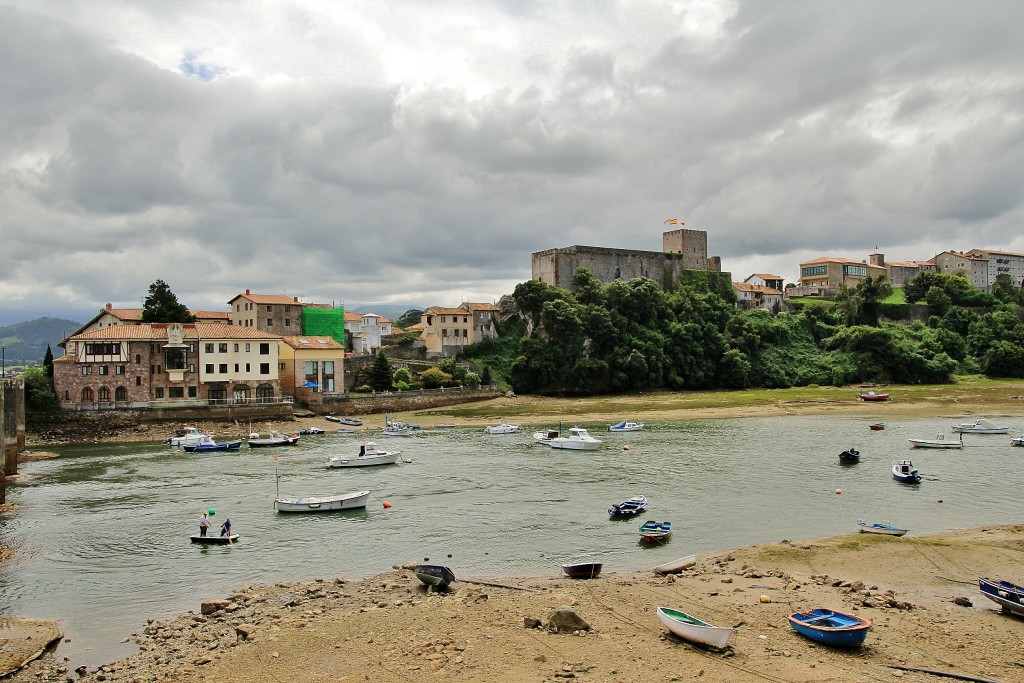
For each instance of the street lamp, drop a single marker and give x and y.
(3, 359)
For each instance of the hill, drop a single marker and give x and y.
(25, 343)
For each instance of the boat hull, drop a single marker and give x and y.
(367, 461)
(933, 443)
(881, 528)
(1007, 595)
(213, 448)
(625, 426)
(628, 508)
(582, 570)
(436, 576)
(675, 566)
(654, 532)
(693, 629)
(214, 540)
(501, 429)
(874, 397)
(270, 443)
(348, 501)
(828, 627)
(905, 473)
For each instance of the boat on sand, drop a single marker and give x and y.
(689, 627)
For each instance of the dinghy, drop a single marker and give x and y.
(436, 576)
(582, 570)
(675, 566)
(830, 627)
(880, 528)
(691, 628)
(215, 540)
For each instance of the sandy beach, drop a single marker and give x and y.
(390, 628)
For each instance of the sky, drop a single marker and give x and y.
(416, 152)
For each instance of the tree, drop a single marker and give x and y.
(162, 306)
(403, 376)
(39, 396)
(1003, 289)
(380, 375)
(409, 318)
(485, 376)
(433, 378)
(48, 363)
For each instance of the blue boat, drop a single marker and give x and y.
(628, 508)
(830, 627)
(208, 445)
(655, 531)
(905, 472)
(1007, 595)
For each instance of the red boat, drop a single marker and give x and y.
(877, 427)
(872, 396)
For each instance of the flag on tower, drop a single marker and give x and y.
(674, 221)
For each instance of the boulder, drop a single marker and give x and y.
(565, 620)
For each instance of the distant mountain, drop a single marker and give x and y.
(25, 343)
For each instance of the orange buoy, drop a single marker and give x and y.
(839, 492)
(387, 504)
(625, 448)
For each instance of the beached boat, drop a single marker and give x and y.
(849, 456)
(626, 426)
(582, 570)
(345, 501)
(689, 627)
(208, 445)
(1007, 595)
(675, 566)
(189, 436)
(308, 431)
(355, 422)
(629, 507)
(272, 438)
(877, 427)
(830, 627)
(872, 396)
(368, 455)
(655, 531)
(503, 428)
(215, 540)
(980, 426)
(905, 472)
(436, 576)
(883, 528)
(939, 441)
(577, 440)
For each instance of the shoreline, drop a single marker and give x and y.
(390, 628)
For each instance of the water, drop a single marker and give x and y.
(100, 535)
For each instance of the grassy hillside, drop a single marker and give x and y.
(25, 343)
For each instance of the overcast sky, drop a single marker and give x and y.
(417, 152)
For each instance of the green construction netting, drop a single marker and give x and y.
(324, 322)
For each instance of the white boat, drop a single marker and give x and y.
(346, 501)
(272, 438)
(939, 441)
(397, 427)
(368, 455)
(189, 436)
(980, 426)
(626, 426)
(693, 629)
(883, 528)
(675, 566)
(503, 428)
(577, 440)
(1017, 441)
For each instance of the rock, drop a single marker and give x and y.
(530, 622)
(243, 631)
(565, 620)
(963, 602)
(211, 606)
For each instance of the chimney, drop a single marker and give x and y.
(296, 299)
(108, 306)
(247, 291)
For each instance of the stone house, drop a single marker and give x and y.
(137, 366)
(311, 366)
(273, 313)
(110, 316)
(364, 331)
(446, 331)
(824, 276)
(756, 296)
(765, 280)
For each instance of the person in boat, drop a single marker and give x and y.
(225, 528)
(204, 524)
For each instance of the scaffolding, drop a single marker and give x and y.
(324, 322)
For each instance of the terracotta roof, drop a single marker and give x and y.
(747, 287)
(353, 317)
(269, 299)
(212, 315)
(438, 310)
(480, 307)
(908, 264)
(312, 343)
(159, 331)
(416, 328)
(835, 259)
(766, 276)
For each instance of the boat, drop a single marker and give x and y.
(189, 436)
(503, 428)
(397, 427)
(207, 445)
(938, 442)
(980, 426)
(904, 471)
(1007, 595)
(582, 570)
(311, 430)
(368, 455)
(626, 426)
(655, 531)
(849, 456)
(877, 427)
(272, 438)
(883, 528)
(345, 431)
(675, 566)
(437, 576)
(830, 627)
(629, 507)
(1017, 441)
(691, 628)
(345, 501)
(355, 422)
(215, 540)
(577, 440)
(872, 396)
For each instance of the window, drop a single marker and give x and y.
(176, 359)
(218, 395)
(138, 381)
(328, 367)
(270, 309)
(160, 392)
(247, 368)
(463, 320)
(104, 395)
(176, 392)
(264, 349)
(238, 307)
(86, 370)
(191, 392)
(309, 367)
(236, 348)
(280, 366)
(191, 367)
(810, 271)
(287, 322)
(223, 347)
(444, 333)
(87, 395)
(270, 322)
(208, 348)
(444, 318)
(119, 370)
(248, 347)
(103, 370)
(209, 368)
(236, 367)
(138, 359)
(264, 368)
(287, 309)
(102, 349)
(121, 394)
(152, 369)
(222, 368)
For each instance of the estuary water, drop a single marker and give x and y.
(101, 535)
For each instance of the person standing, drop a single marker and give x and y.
(204, 524)
(225, 528)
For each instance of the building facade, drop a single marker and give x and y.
(273, 313)
(765, 280)
(1000, 262)
(364, 331)
(311, 366)
(973, 265)
(825, 276)
(756, 296)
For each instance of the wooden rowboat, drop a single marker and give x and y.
(830, 627)
(436, 576)
(215, 540)
(1007, 595)
(582, 570)
(675, 566)
(693, 629)
(655, 531)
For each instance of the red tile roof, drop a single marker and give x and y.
(303, 342)
(158, 331)
(269, 299)
(438, 310)
(480, 307)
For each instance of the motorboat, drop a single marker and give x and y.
(215, 540)
(691, 628)
(980, 426)
(188, 436)
(1017, 441)
(582, 570)
(626, 426)
(503, 428)
(849, 456)
(397, 427)
(272, 438)
(311, 430)
(208, 445)
(345, 501)
(830, 627)
(579, 439)
(883, 528)
(905, 472)
(368, 455)
(939, 441)
(355, 422)
(436, 576)
(629, 507)
(655, 531)
(872, 396)
(1007, 595)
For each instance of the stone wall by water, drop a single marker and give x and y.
(12, 427)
